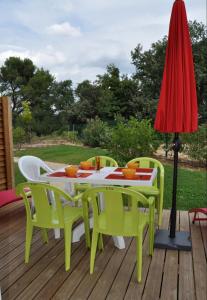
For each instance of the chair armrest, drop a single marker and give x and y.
(78, 197)
(151, 201)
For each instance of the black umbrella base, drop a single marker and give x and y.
(182, 240)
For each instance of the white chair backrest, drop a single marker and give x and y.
(30, 167)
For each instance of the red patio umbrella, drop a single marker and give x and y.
(177, 108)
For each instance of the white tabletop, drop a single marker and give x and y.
(99, 177)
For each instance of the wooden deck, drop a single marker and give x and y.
(167, 275)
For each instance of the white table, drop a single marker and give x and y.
(99, 178)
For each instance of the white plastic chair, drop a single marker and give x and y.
(30, 167)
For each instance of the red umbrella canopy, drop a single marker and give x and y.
(177, 108)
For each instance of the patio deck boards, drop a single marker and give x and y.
(167, 275)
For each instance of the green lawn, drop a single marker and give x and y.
(63, 153)
(191, 191)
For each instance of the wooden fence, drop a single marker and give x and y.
(6, 145)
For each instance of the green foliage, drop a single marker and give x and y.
(195, 144)
(19, 136)
(132, 138)
(70, 136)
(15, 73)
(96, 133)
(149, 66)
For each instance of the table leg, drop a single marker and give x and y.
(119, 242)
(57, 233)
(79, 230)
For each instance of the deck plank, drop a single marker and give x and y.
(51, 287)
(22, 282)
(38, 283)
(167, 275)
(135, 290)
(170, 271)
(199, 261)
(72, 282)
(203, 226)
(105, 281)
(186, 279)
(18, 261)
(119, 286)
(154, 278)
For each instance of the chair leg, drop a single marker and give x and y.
(29, 231)
(139, 258)
(151, 238)
(93, 250)
(44, 235)
(67, 237)
(100, 242)
(160, 205)
(86, 224)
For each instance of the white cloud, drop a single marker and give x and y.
(47, 59)
(111, 30)
(64, 29)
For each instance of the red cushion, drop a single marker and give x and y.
(8, 196)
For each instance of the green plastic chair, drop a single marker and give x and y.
(118, 220)
(157, 190)
(46, 215)
(105, 161)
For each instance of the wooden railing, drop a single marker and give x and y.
(6, 145)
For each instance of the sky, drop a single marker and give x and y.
(77, 39)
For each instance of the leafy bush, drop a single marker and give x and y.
(195, 144)
(96, 133)
(132, 138)
(19, 137)
(71, 136)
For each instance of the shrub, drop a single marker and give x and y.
(195, 144)
(96, 133)
(132, 138)
(71, 136)
(19, 137)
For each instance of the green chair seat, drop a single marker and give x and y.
(114, 219)
(157, 190)
(130, 227)
(49, 212)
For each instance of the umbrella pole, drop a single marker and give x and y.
(172, 239)
(176, 148)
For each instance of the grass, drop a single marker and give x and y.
(63, 153)
(191, 190)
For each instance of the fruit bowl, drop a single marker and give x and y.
(129, 173)
(133, 165)
(85, 165)
(71, 171)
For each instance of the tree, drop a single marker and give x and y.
(88, 95)
(14, 75)
(150, 65)
(63, 102)
(120, 91)
(26, 118)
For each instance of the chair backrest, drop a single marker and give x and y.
(115, 209)
(44, 213)
(148, 162)
(30, 167)
(105, 161)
